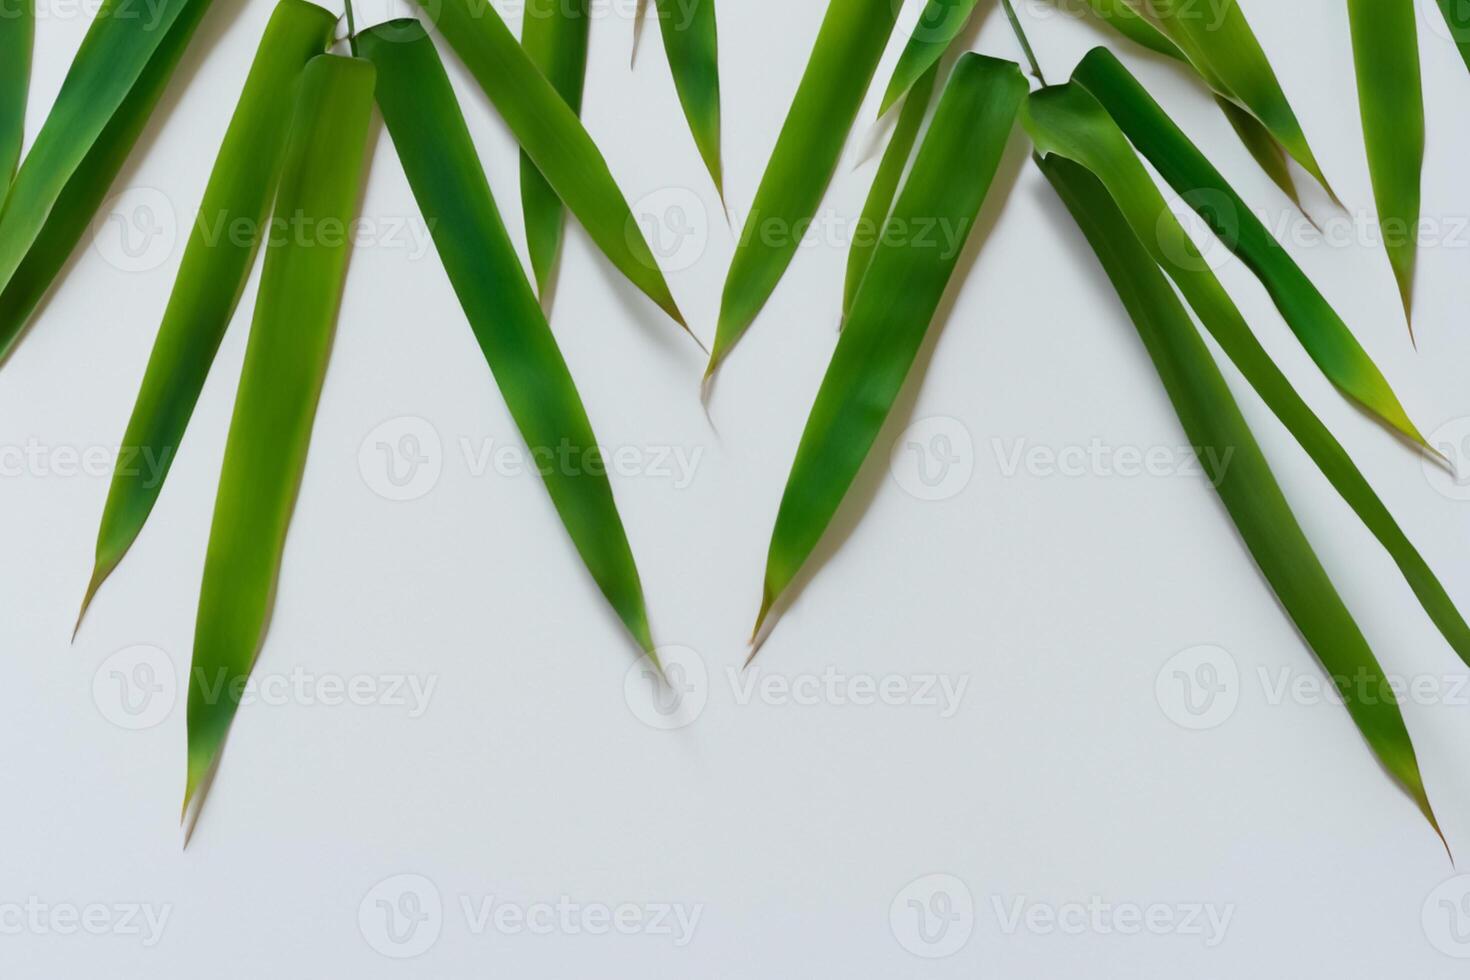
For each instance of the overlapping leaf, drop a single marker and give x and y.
(844, 59)
(894, 307)
(285, 364)
(1239, 471)
(17, 34)
(221, 249)
(433, 142)
(940, 22)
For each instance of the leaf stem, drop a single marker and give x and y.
(351, 28)
(1020, 36)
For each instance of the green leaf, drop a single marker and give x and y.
(692, 45)
(940, 22)
(1313, 320)
(1391, 99)
(895, 305)
(554, 35)
(1067, 121)
(1457, 16)
(217, 261)
(114, 56)
(17, 35)
(550, 133)
(841, 68)
(885, 183)
(434, 144)
(285, 364)
(1241, 475)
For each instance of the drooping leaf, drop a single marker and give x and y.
(433, 142)
(1313, 320)
(691, 41)
(1241, 475)
(552, 135)
(885, 184)
(216, 263)
(1067, 121)
(1391, 99)
(894, 307)
(844, 59)
(554, 35)
(17, 35)
(285, 364)
(67, 174)
(940, 22)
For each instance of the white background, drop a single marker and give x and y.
(793, 829)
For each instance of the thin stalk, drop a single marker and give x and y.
(1021, 37)
(351, 28)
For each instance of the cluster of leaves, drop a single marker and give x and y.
(293, 155)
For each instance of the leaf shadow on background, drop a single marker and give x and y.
(865, 486)
(212, 28)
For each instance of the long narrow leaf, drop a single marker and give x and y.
(1457, 16)
(895, 306)
(1069, 122)
(554, 34)
(216, 262)
(841, 68)
(691, 41)
(940, 22)
(449, 183)
(885, 184)
(17, 35)
(285, 364)
(1241, 475)
(552, 135)
(1391, 100)
(1313, 320)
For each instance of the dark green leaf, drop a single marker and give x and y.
(17, 34)
(940, 22)
(692, 44)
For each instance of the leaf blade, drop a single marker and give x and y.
(940, 22)
(691, 42)
(17, 37)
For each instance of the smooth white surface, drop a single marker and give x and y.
(793, 830)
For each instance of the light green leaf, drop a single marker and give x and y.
(17, 34)
(841, 68)
(217, 260)
(1241, 475)
(434, 144)
(894, 307)
(940, 22)
(285, 364)
(554, 34)
(1391, 99)
(551, 134)
(692, 44)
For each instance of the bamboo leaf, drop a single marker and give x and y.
(217, 261)
(1241, 475)
(1313, 320)
(17, 35)
(894, 307)
(885, 184)
(550, 133)
(433, 142)
(939, 24)
(285, 363)
(1391, 99)
(692, 44)
(1067, 121)
(844, 59)
(554, 35)
(1457, 16)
